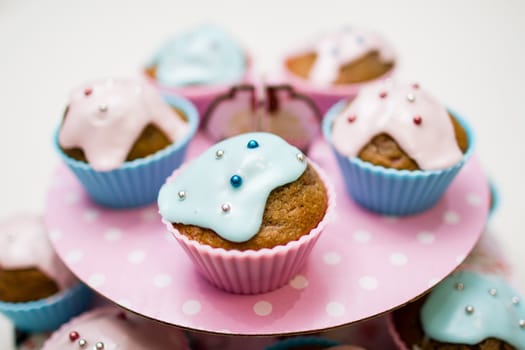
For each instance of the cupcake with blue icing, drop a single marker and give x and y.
(397, 146)
(247, 211)
(198, 64)
(468, 310)
(122, 139)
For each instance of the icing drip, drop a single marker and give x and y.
(467, 308)
(112, 332)
(205, 55)
(24, 244)
(105, 118)
(416, 120)
(212, 201)
(335, 50)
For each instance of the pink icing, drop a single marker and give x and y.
(106, 117)
(24, 244)
(334, 50)
(416, 120)
(117, 331)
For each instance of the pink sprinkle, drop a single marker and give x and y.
(88, 91)
(383, 94)
(415, 86)
(351, 118)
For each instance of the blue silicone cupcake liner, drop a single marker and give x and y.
(48, 314)
(135, 183)
(494, 198)
(391, 191)
(295, 342)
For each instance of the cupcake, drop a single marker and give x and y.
(397, 146)
(121, 139)
(247, 211)
(109, 328)
(37, 291)
(468, 310)
(198, 64)
(337, 64)
(310, 343)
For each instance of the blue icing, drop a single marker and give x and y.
(446, 315)
(206, 55)
(211, 200)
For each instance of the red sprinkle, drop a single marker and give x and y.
(88, 91)
(415, 86)
(74, 336)
(351, 118)
(418, 120)
(383, 94)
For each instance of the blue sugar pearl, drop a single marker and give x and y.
(252, 144)
(236, 181)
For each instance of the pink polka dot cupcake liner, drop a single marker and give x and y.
(136, 183)
(392, 191)
(49, 313)
(255, 272)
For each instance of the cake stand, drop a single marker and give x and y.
(363, 265)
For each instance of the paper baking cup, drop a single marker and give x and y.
(48, 314)
(396, 338)
(326, 96)
(135, 183)
(200, 95)
(66, 328)
(255, 271)
(297, 342)
(392, 191)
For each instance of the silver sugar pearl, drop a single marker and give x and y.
(522, 323)
(219, 154)
(515, 300)
(469, 309)
(182, 195)
(459, 286)
(226, 207)
(99, 345)
(82, 342)
(411, 97)
(493, 292)
(300, 157)
(103, 108)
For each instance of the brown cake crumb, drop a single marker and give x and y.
(292, 211)
(23, 285)
(363, 69)
(384, 151)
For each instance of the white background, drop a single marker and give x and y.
(471, 54)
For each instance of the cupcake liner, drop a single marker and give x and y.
(260, 271)
(66, 328)
(326, 96)
(295, 342)
(396, 338)
(48, 314)
(135, 183)
(201, 95)
(391, 191)
(494, 198)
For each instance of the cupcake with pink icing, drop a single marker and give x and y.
(37, 291)
(397, 146)
(121, 139)
(199, 64)
(109, 328)
(337, 64)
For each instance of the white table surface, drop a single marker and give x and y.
(471, 54)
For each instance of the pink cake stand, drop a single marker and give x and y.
(363, 265)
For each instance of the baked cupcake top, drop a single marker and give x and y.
(227, 187)
(104, 119)
(24, 245)
(206, 55)
(333, 51)
(416, 121)
(110, 329)
(469, 307)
